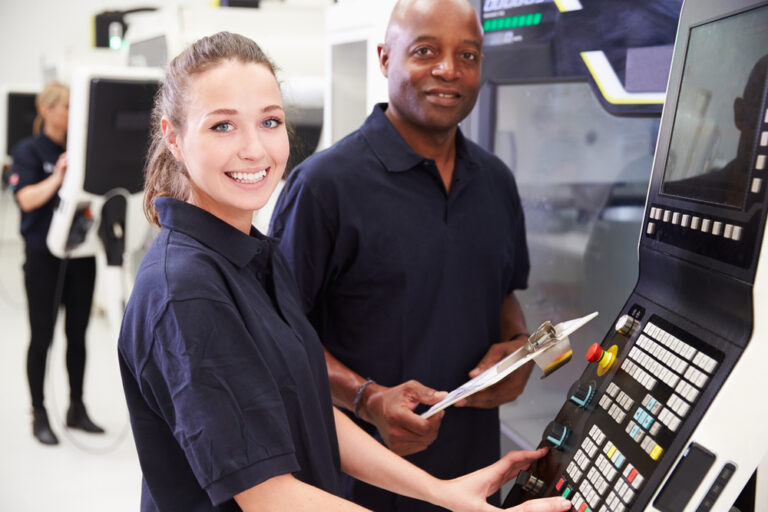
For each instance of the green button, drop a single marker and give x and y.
(567, 492)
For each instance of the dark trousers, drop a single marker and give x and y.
(48, 280)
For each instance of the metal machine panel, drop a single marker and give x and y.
(674, 418)
(106, 147)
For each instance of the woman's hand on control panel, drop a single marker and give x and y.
(468, 492)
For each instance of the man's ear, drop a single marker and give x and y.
(172, 139)
(383, 52)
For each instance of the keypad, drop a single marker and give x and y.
(665, 377)
(599, 476)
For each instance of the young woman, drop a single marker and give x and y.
(224, 377)
(39, 165)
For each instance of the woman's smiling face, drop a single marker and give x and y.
(234, 143)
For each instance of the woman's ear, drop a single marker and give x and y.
(44, 110)
(172, 139)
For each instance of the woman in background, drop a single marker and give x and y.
(39, 165)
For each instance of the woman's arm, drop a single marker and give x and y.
(366, 459)
(34, 196)
(286, 493)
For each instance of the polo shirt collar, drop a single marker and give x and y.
(390, 147)
(214, 233)
(49, 142)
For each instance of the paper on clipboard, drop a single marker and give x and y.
(489, 377)
(507, 365)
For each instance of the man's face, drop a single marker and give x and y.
(432, 63)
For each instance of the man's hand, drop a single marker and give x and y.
(509, 388)
(391, 411)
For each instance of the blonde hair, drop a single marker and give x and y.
(52, 93)
(163, 174)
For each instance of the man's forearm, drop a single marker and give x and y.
(512, 319)
(345, 383)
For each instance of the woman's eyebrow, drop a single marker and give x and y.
(221, 111)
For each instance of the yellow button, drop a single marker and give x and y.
(656, 452)
(611, 451)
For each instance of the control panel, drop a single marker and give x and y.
(669, 414)
(627, 418)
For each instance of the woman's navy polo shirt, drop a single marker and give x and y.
(401, 279)
(224, 377)
(34, 159)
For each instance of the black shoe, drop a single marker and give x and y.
(78, 418)
(41, 429)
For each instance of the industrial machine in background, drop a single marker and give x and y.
(17, 117)
(99, 211)
(668, 414)
(571, 99)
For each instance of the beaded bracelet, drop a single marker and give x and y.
(359, 395)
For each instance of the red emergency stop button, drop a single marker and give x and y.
(594, 353)
(603, 358)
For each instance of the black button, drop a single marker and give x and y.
(705, 506)
(259, 250)
(727, 472)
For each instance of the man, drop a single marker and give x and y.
(407, 242)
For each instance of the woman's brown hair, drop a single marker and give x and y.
(163, 174)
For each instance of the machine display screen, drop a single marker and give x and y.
(21, 116)
(517, 21)
(118, 134)
(719, 110)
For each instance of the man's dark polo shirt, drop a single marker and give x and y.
(224, 377)
(402, 280)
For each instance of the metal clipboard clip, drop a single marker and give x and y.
(549, 347)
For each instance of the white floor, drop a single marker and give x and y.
(84, 472)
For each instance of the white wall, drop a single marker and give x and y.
(35, 30)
